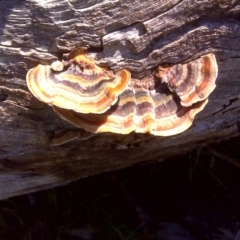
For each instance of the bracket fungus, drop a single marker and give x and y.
(77, 83)
(93, 98)
(193, 81)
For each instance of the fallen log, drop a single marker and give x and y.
(136, 35)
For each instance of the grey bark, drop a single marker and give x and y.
(136, 34)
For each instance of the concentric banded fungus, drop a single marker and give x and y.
(96, 100)
(77, 84)
(193, 81)
(142, 107)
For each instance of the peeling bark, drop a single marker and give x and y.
(138, 35)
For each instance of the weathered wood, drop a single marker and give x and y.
(138, 35)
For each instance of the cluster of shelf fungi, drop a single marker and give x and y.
(97, 100)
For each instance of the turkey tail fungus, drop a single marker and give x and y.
(80, 85)
(193, 81)
(93, 98)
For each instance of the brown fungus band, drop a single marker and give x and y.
(97, 100)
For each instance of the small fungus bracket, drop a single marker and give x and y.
(193, 81)
(69, 136)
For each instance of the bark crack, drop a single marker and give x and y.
(226, 107)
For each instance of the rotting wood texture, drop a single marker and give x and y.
(136, 35)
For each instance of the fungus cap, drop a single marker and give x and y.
(193, 81)
(77, 84)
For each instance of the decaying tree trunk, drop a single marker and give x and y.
(137, 35)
